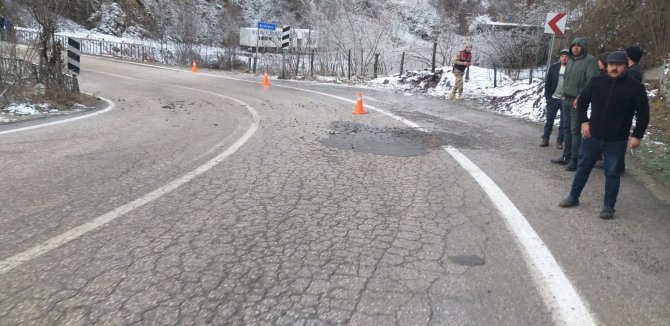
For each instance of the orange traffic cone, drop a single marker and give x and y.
(266, 80)
(359, 105)
(194, 68)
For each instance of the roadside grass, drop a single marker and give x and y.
(654, 155)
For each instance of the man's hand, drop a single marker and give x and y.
(467, 63)
(574, 104)
(633, 142)
(586, 130)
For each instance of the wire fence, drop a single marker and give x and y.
(336, 63)
(21, 72)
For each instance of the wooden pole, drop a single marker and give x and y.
(432, 69)
(349, 65)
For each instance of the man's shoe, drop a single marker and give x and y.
(452, 97)
(606, 213)
(572, 166)
(562, 161)
(559, 144)
(568, 202)
(544, 142)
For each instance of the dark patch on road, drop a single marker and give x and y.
(468, 260)
(403, 142)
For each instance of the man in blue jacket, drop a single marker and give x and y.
(615, 99)
(553, 93)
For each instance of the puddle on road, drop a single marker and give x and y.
(401, 142)
(468, 260)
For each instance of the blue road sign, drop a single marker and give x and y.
(268, 26)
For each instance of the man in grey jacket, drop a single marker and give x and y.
(580, 69)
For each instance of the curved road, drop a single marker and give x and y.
(207, 199)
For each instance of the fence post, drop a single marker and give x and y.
(362, 74)
(530, 80)
(349, 64)
(402, 64)
(376, 64)
(311, 65)
(432, 70)
(495, 76)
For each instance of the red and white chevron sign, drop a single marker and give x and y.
(555, 23)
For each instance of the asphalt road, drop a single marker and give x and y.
(206, 198)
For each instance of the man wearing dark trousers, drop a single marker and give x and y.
(553, 93)
(614, 99)
(580, 69)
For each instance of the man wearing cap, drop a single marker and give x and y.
(461, 62)
(553, 93)
(615, 99)
(580, 69)
(634, 54)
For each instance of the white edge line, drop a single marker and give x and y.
(557, 291)
(76, 232)
(110, 106)
(566, 306)
(384, 112)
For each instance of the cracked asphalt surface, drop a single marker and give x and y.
(321, 218)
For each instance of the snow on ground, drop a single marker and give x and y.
(21, 109)
(25, 111)
(516, 98)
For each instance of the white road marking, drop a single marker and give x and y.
(57, 241)
(367, 106)
(109, 108)
(558, 293)
(566, 306)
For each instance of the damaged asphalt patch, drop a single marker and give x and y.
(401, 142)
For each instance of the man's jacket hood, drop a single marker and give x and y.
(581, 42)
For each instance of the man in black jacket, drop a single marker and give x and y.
(553, 93)
(615, 99)
(634, 54)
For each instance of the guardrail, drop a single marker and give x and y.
(123, 50)
(14, 71)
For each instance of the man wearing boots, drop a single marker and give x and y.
(461, 62)
(553, 92)
(580, 69)
(615, 99)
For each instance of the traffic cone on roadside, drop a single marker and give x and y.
(359, 105)
(195, 67)
(266, 80)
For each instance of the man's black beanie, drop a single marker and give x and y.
(634, 53)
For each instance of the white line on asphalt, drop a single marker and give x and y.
(566, 306)
(557, 291)
(386, 113)
(109, 107)
(57, 241)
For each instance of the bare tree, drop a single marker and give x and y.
(48, 14)
(229, 24)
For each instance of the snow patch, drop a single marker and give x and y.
(22, 109)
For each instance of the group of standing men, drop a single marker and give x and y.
(614, 95)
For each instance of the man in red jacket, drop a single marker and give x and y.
(461, 62)
(615, 99)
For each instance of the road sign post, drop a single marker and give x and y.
(285, 42)
(73, 54)
(261, 26)
(554, 24)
